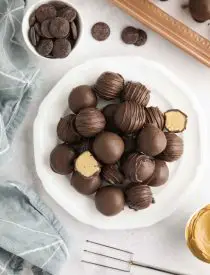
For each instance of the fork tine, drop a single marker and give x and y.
(106, 266)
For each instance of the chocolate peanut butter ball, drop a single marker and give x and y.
(155, 116)
(109, 85)
(151, 141)
(84, 185)
(129, 117)
(135, 91)
(109, 200)
(138, 197)
(109, 112)
(82, 97)
(160, 175)
(174, 149)
(62, 159)
(112, 174)
(108, 147)
(89, 122)
(130, 143)
(66, 129)
(138, 168)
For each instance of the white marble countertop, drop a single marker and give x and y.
(163, 244)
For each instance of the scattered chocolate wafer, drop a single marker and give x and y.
(45, 47)
(142, 38)
(130, 35)
(61, 48)
(100, 31)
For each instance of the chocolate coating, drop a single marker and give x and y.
(109, 200)
(138, 168)
(82, 97)
(112, 175)
(83, 145)
(89, 122)
(108, 147)
(200, 10)
(151, 141)
(174, 149)
(160, 175)
(85, 186)
(129, 117)
(135, 91)
(109, 85)
(62, 159)
(66, 129)
(138, 196)
(155, 116)
(130, 143)
(109, 112)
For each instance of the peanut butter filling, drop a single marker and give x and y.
(198, 234)
(175, 121)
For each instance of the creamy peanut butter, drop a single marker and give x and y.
(198, 234)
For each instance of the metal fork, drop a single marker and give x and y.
(128, 262)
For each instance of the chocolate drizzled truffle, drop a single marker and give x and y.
(84, 185)
(112, 174)
(174, 149)
(61, 159)
(82, 97)
(87, 165)
(66, 129)
(138, 168)
(109, 85)
(89, 122)
(109, 200)
(108, 147)
(138, 196)
(109, 112)
(151, 141)
(130, 143)
(129, 117)
(83, 145)
(135, 91)
(155, 116)
(160, 175)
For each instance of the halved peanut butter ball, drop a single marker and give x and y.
(87, 165)
(175, 121)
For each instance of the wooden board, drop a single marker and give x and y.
(169, 27)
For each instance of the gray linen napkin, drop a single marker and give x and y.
(30, 235)
(17, 75)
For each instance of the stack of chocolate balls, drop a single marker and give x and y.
(119, 152)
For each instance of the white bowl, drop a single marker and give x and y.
(26, 27)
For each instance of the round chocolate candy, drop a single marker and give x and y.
(66, 129)
(37, 28)
(32, 36)
(59, 27)
(110, 200)
(89, 122)
(84, 185)
(174, 149)
(135, 91)
(138, 197)
(45, 47)
(142, 39)
(68, 13)
(74, 30)
(112, 174)
(108, 147)
(129, 117)
(83, 145)
(58, 4)
(45, 11)
(138, 168)
(160, 175)
(61, 48)
(130, 143)
(151, 141)
(82, 97)
(32, 19)
(109, 112)
(62, 159)
(155, 116)
(109, 85)
(130, 35)
(100, 31)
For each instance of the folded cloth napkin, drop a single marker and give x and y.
(17, 75)
(31, 236)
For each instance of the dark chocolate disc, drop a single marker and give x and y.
(130, 35)
(37, 28)
(44, 12)
(84, 185)
(68, 13)
(155, 116)
(32, 36)
(45, 47)
(61, 48)
(32, 19)
(100, 31)
(45, 29)
(142, 39)
(59, 27)
(58, 4)
(74, 31)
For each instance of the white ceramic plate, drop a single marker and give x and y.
(167, 92)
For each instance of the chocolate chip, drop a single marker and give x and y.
(45, 47)
(32, 19)
(142, 38)
(130, 35)
(59, 27)
(74, 30)
(58, 4)
(100, 31)
(37, 28)
(68, 13)
(45, 28)
(61, 48)
(32, 36)
(44, 12)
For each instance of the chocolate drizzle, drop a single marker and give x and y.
(155, 117)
